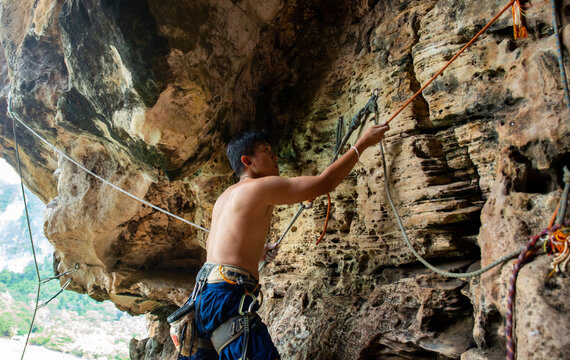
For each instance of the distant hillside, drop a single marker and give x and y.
(72, 323)
(15, 249)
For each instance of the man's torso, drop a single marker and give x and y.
(239, 227)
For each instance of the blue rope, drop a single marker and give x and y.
(560, 58)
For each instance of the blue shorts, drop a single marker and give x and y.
(217, 303)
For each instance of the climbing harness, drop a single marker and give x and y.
(182, 321)
(14, 116)
(40, 281)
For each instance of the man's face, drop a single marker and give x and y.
(265, 160)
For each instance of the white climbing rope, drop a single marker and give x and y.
(512, 255)
(54, 148)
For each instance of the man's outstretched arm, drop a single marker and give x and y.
(275, 190)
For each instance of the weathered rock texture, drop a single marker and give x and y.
(147, 93)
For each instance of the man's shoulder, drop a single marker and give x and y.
(250, 190)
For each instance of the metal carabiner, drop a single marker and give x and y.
(258, 300)
(254, 300)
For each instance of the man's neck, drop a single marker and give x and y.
(247, 175)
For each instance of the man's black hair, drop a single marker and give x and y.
(244, 144)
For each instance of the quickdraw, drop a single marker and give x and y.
(519, 21)
(557, 246)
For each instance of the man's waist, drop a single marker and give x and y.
(230, 274)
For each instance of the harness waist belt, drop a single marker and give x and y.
(231, 274)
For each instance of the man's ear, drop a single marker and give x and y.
(245, 160)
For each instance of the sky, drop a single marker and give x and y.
(7, 174)
(11, 218)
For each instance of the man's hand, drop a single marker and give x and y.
(372, 136)
(275, 190)
(271, 251)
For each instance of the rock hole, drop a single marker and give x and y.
(304, 301)
(529, 179)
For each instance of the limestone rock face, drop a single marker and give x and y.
(147, 94)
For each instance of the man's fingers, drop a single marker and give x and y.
(271, 251)
(270, 246)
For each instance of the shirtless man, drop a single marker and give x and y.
(240, 222)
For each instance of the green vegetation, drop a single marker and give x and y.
(15, 323)
(42, 340)
(22, 287)
(15, 319)
(63, 323)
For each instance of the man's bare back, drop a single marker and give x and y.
(239, 226)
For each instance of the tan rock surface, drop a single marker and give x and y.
(148, 95)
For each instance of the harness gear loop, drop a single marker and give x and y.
(231, 282)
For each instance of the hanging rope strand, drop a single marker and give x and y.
(512, 288)
(559, 52)
(40, 281)
(512, 255)
(31, 238)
